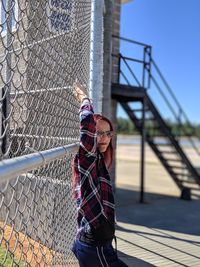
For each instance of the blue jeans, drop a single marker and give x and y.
(96, 256)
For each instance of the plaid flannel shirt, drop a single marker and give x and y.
(93, 192)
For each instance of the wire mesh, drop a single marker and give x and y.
(44, 49)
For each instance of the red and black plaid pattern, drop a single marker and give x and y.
(93, 189)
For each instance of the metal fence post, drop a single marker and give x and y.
(44, 49)
(7, 88)
(96, 60)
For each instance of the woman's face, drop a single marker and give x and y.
(103, 135)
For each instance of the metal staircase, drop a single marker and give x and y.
(147, 119)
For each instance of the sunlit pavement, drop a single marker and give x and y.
(164, 231)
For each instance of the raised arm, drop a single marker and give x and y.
(85, 168)
(87, 128)
(87, 123)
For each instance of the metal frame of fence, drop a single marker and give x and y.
(50, 46)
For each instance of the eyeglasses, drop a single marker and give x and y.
(106, 133)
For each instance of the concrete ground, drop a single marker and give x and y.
(165, 230)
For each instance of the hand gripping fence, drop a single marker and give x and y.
(44, 49)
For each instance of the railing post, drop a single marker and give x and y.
(149, 67)
(144, 67)
(119, 68)
(180, 123)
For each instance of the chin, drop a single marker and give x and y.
(103, 149)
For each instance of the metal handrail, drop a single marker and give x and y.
(125, 59)
(152, 78)
(171, 93)
(128, 58)
(11, 168)
(129, 68)
(125, 78)
(177, 103)
(130, 41)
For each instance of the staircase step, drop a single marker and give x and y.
(191, 181)
(195, 195)
(163, 144)
(174, 160)
(194, 188)
(181, 167)
(168, 152)
(182, 174)
(178, 167)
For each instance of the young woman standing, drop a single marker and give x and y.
(93, 190)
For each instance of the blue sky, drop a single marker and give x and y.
(172, 27)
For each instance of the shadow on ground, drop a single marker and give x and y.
(159, 211)
(130, 259)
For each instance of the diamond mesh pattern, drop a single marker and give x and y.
(44, 49)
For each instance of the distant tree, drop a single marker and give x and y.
(126, 126)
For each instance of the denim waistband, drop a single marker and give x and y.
(83, 238)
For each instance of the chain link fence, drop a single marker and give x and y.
(44, 49)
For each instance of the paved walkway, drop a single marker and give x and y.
(165, 231)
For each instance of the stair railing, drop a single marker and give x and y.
(148, 64)
(181, 116)
(145, 62)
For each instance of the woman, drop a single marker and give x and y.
(93, 190)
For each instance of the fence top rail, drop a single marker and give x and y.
(11, 168)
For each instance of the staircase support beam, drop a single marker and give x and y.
(143, 140)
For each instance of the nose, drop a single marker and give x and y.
(103, 136)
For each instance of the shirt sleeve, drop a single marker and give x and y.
(87, 128)
(90, 206)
